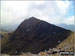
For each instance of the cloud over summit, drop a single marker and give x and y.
(51, 11)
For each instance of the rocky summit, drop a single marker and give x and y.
(34, 35)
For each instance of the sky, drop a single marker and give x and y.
(54, 12)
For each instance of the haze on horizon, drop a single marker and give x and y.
(60, 13)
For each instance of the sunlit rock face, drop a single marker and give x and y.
(34, 35)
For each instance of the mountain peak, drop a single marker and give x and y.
(33, 18)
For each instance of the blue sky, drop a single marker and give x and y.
(55, 12)
(71, 12)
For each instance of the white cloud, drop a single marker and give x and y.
(14, 12)
(50, 11)
(69, 20)
(63, 6)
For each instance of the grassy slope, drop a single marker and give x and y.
(69, 42)
(4, 38)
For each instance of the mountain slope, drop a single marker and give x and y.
(34, 35)
(68, 43)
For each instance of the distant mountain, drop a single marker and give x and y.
(3, 30)
(9, 28)
(69, 27)
(34, 35)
